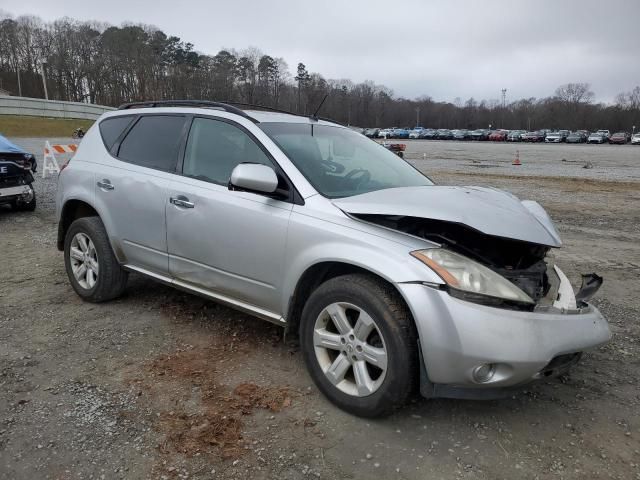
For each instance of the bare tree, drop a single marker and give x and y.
(575, 93)
(100, 63)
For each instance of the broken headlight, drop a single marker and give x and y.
(470, 280)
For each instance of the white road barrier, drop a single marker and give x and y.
(50, 162)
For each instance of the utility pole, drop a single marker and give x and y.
(417, 116)
(19, 82)
(44, 81)
(504, 105)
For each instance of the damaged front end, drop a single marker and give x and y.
(528, 266)
(520, 319)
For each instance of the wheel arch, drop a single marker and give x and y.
(72, 210)
(317, 274)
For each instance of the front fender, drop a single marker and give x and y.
(312, 240)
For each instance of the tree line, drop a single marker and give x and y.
(99, 63)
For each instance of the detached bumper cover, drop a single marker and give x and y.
(457, 336)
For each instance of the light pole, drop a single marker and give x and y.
(417, 116)
(504, 104)
(44, 81)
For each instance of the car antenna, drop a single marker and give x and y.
(315, 114)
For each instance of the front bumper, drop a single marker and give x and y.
(457, 336)
(8, 194)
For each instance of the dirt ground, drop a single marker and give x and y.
(164, 385)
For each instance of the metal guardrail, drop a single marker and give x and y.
(38, 107)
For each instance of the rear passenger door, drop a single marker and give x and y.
(132, 187)
(228, 242)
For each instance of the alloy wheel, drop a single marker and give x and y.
(350, 349)
(84, 260)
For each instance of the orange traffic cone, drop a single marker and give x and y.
(516, 161)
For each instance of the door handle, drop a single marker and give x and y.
(181, 201)
(105, 184)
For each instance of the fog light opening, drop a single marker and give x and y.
(27, 195)
(484, 373)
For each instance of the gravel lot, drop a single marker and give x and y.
(604, 162)
(162, 384)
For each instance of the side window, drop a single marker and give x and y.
(112, 128)
(153, 142)
(214, 148)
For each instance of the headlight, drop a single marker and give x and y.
(463, 274)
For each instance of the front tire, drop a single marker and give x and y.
(92, 268)
(359, 343)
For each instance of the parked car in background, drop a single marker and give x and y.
(498, 136)
(606, 133)
(384, 133)
(565, 134)
(393, 284)
(400, 133)
(536, 136)
(415, 133)
(597, 137)
(480, 134)
(444, 134)
(16, 178)
(576, 137)
(429, 134)
(515, 136)
(462, 134)
(553, 137)
(372, 132)
(635, 140)
(619, 138)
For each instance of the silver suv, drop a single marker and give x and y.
(392, 282)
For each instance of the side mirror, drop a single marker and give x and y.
(254, 177)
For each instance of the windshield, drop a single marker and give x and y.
(340, 163)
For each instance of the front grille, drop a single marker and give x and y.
(11, 182)
(531, 281)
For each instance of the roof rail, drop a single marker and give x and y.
(278, 110)
(225, 106)
(187, 103)
(262, 107)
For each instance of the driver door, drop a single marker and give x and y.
(228, 242)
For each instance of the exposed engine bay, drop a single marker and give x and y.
(522, 263)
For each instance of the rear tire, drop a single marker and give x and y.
(92, 268)
(365, 362)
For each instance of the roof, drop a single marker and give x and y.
(7, 147)
(254, 113)
(267, 117)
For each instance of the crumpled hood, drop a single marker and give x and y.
(488, 210)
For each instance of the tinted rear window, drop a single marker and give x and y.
(153, 142)
(111, 128)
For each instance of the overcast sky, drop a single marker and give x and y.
(443, 48)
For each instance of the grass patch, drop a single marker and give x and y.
(23, 126)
